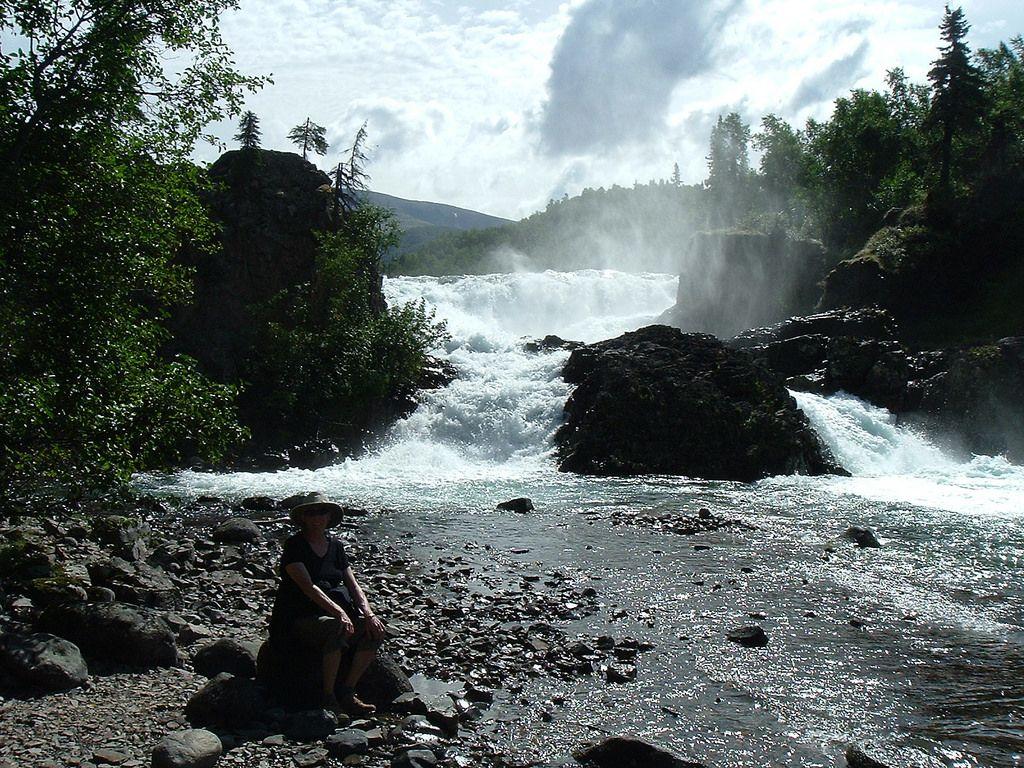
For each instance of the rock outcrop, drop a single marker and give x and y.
(972, 392)
(658, 401)
(732, 280)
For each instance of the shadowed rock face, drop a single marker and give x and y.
(658, 401)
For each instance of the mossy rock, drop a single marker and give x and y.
(57, 588)
(22, 559)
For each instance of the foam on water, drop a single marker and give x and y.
(894, 463)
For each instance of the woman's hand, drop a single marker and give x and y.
(347, 627)
(374, 628)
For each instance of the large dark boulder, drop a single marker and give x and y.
(226, 655)
(227, 701)
(42, 662)
(627, 752)
(658, 401)
(114, 632)
(293, 679)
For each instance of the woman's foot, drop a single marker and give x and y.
(353, 705)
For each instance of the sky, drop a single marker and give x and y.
(501, 106)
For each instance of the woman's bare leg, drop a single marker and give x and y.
(332, 662)
(360, 662)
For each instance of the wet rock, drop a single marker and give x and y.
(42, 662)
(856, 757)
(549, 343)
(350, 741)
(135, 582)
(658, 401)
(196, 748)
(226, 701)
(312, 758)
(56, 590)
(749, 637)
(237, 530)
(314, 454)
(259, 504)
(295, 680)
(517, 505)
(417, 729)
(627, 752)
(414, 758)
(225, 655)
(409, 704)
(620, 673)
(127, 536)
(114, 631)
(447, 720)
(310, 725)
(868, 323)
(862, 537)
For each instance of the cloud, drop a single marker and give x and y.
(829, 82)
(616, 64)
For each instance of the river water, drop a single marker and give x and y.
(915, 649)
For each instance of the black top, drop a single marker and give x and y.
(326, 572)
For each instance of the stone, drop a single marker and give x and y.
(225, 655)
(312, 758)
(417, 729)
(135, 582)
(409, 704)
(862, 537)
(414, 758)
(127, 536)
(350, 741)
(521, 504)
(107, 756)
(310, 725)
(43, 662)
(295, 680)
(226, 701)
(856, 757)
(259, 504)
(749, 637)
(620, 673)
(114, 632)
(658, 401)
(196, 748)
(627, 752)
(237, 530)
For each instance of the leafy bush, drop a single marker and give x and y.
(329, 353)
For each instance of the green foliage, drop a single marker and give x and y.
(309, 137)
(729, 178)
(957, 92)
(248, 131)
(99, 195)
(328, 353)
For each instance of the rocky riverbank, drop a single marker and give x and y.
(129, 640)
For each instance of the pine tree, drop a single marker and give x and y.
(248, 131)
(310, 137)
(350, 177)
(676, 178)
(957, 96)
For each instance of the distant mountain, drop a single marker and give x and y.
(422, 222)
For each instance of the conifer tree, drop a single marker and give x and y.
(957, 96)
(248, 131)
(309, 137)
(676, 177)
(350, 177)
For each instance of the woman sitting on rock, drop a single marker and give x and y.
(320, 607)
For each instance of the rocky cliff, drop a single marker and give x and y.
(269, 206)
(732, 280)
(969, 392)
(658, 401)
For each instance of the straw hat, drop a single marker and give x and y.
(310, 502)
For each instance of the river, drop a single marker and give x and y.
(915, 649)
